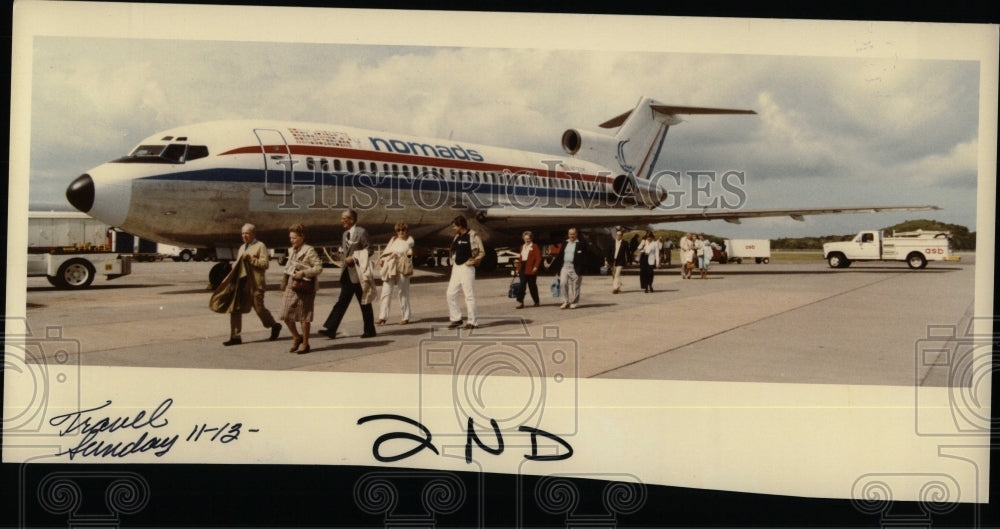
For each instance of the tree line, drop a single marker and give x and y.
(961, 237)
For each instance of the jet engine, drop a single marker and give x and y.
(599, 148)
(639, 191)
(590, 146)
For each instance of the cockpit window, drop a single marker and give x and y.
(171, 153)
(147, 150)
(196, 151)
(174, 152)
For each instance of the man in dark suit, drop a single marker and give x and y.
(355, 238)
(618, 255)
(570, 263)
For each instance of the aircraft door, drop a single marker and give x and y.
(277, 162)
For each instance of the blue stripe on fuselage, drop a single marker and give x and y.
(381, 181)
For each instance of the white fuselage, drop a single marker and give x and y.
(196, 185)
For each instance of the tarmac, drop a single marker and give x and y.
(787, 321)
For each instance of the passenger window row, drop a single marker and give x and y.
(454, 175)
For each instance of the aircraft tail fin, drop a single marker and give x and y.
(643, 130)
(635, 147)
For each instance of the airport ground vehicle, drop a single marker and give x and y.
(178, 253)
(507, 258)
(431, 257)
(141, 249)
(719, 255)
(914, 247)
(757, 249)
(70, 248)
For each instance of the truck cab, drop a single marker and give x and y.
(867, 245)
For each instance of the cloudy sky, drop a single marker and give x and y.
(829, 130)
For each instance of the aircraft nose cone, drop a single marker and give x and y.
(80, 193)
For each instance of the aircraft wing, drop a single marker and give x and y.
(516, 217)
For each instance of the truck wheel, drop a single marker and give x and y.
(916, 260)
(837, 260)
(185, 255)
(765, 260)
(75, 273)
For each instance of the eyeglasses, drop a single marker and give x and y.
(401, 230)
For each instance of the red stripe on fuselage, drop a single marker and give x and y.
(408, 159)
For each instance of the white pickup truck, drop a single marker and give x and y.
(914, 247)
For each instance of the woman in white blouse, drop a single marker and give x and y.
(649, 260)
(400, 248)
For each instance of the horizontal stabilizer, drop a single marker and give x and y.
(673, 110)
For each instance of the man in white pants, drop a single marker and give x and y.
(466, 252)
(570, 263)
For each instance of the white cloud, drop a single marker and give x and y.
(828, 131)
(957, 167)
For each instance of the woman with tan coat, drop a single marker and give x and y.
(303, 268)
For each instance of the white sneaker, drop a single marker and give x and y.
(573, 306)
(564, 305)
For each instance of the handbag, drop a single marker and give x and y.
(406, 266)
(554, 287)
(515, 289)
(303, 286)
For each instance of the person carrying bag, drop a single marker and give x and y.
(396, 267)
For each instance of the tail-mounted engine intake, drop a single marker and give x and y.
(638, 190)
(589, 145)
(599, 148)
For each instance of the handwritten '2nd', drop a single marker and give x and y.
(471, 437)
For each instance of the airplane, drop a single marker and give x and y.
(196, 185)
